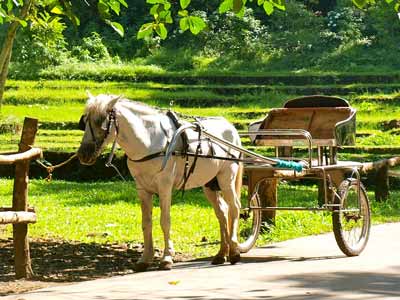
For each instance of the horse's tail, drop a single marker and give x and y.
(238, 181)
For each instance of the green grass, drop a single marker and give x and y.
(46, 99)
(107, 212)
(136, 68)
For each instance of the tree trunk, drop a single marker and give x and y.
(5, 55)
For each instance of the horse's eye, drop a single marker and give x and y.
(82, 123)
(104, 125)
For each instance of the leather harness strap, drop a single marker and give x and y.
(185, 151)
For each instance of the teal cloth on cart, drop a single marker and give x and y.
(289, 165)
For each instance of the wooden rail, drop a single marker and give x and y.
(17, 217)
(19, 157)
(379, 172)
(19, 214)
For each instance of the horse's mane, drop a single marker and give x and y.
(97, 106)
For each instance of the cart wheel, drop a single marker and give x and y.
(351, 222)
(249, 223)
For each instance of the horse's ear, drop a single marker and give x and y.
(113, 101)
(89, 94)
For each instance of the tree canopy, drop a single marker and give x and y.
(162, 12)
(163, 15)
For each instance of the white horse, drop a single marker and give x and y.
(144, 133)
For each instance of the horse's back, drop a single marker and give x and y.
(221, 128)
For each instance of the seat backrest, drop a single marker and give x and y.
(319, 121)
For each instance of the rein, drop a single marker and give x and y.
(82, 124)
(50, 168)
(191, 154)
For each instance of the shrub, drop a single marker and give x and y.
(42, 43)
(229, 35)
(91, 49)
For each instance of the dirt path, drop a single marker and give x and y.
(310, 268)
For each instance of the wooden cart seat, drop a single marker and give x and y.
(328, 125)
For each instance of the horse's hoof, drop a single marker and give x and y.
(165, 265)
(218, 260)
(141, 266)
(234, 257)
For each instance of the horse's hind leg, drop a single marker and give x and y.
(221, 211)
(234, 212)
(148, 252)
(227, 182)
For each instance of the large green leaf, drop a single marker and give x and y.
(154, 9)
(225, 6)
(145, 30)
(184, 3)
(196, 24)
(279, 4)
(115, 6)
(268, 7)
(117, 27)
(168, 17)
(184, 24)
(104, 10)
(123, 2)
(183, 13)
(161, 30)
(3, 13)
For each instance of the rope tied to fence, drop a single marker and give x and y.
(50, 168)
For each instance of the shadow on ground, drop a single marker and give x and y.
(57, 261)
(65, 261)
(366, 285)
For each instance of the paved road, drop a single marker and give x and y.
(311, 268)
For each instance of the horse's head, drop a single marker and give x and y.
(98, 123)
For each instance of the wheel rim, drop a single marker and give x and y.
(353, 218)
(248, 222)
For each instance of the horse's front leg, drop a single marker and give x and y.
(165, 206)
(146, 201)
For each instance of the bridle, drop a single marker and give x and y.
(110, 121)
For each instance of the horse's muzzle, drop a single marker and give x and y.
(87, 154)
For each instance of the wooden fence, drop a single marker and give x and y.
(20, 215)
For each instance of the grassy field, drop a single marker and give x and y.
(59, 104)
(108, 212)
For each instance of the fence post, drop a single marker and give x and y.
(382, 183)
(23, 268)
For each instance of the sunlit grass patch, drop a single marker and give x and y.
(107, 212)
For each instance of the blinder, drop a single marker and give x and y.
(82, 123)
(106, 125)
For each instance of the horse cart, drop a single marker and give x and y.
(306, 134)
(317, 126)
